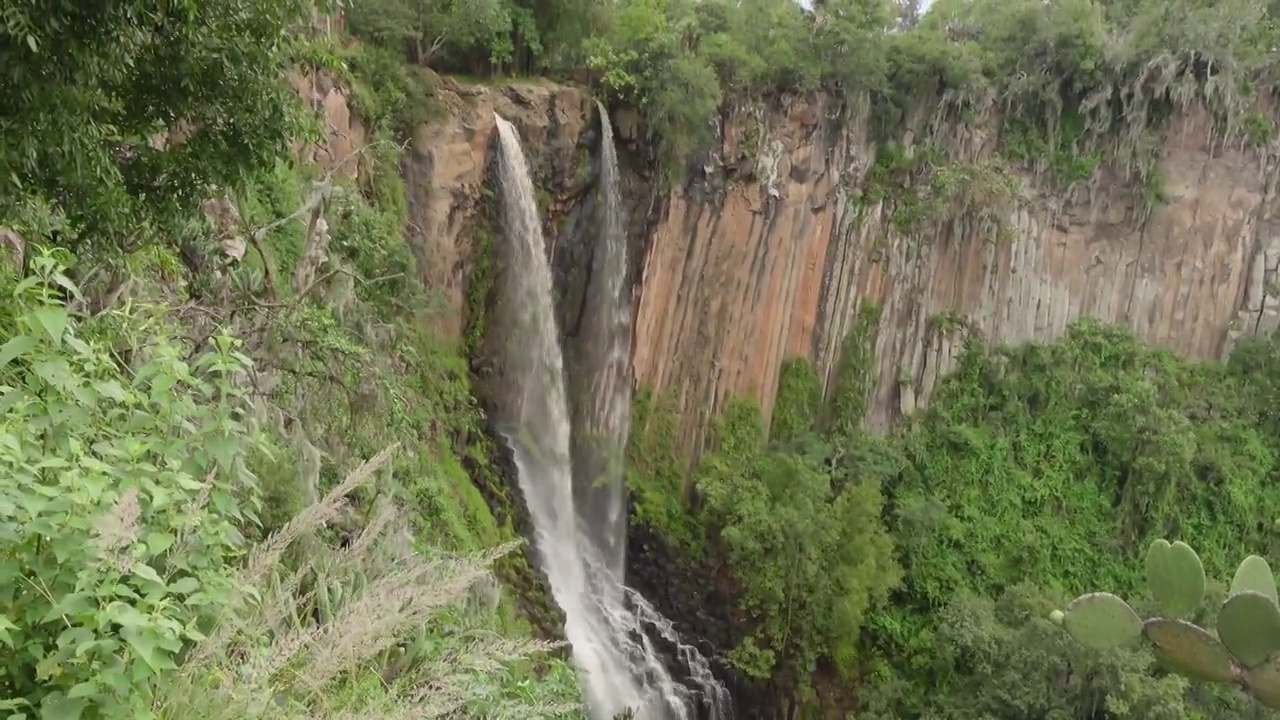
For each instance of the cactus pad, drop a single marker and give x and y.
(1249, 625)
(1263, 683)
(1176, 577)
(1254, 575)
(1101, 621)
(1190, 651)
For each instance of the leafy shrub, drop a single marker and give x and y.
(805, 539)
(123, 490)
(131, 590)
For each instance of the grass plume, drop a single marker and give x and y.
(312, 641)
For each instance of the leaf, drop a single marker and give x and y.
(75, 636)
(77, 604)
(6, 631)
(31, 43)
(1254, 574)
(1249, 625)
(146, 572)
(57, 706)
(126, 615)
(17, 346)
(55, 372)
(185, 586)
(157, 542)
(144, 643)
(54, 321)
(65, 283)
(1102, 621)
(1190, 650)
(85, 689)
(110, 389)
(224, 448)
(1175, 577)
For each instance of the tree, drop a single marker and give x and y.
(425, 29)
(908, 13)
(122, 113)
(804, 535)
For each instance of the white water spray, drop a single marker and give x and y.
(620, 672)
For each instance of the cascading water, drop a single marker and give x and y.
(602, 403)
(580, 551)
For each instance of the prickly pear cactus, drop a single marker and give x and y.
(1175, 577)
(1102, 621)
(1244, 651)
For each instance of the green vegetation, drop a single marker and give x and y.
(134, 482)
(100, 83)
(1037, 472)
(242, 477)
(1074, 83)
(211, 418)
(808, 524)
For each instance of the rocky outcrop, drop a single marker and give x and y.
(744, 272)
(445, 168)
(345, 135)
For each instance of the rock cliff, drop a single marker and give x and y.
(779, 265)
(775, 245)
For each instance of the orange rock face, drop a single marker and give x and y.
(772, 255)
(781, 264)
(445, 171)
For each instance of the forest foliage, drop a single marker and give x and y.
(236, 481)
(921, 568)
(1072, 77)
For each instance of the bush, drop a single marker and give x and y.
(121, 493)
(130, 589)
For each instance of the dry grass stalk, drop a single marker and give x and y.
(265, 559)
(266, 556)
(261, 666)
(115, 532)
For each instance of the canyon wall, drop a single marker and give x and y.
(771, 251)
(739, 278)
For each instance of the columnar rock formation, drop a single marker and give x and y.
(771, 252)
(779, 266)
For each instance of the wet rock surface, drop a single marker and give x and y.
(700, 613)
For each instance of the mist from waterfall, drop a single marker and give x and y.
(615, 658)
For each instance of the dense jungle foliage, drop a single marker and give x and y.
(240, 475)
(195, 501)
(920, 568)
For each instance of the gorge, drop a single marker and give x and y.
(628, 358)
(733, 279)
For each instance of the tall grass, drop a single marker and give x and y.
(329, 632)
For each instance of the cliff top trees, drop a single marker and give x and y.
(90, 88)
(1068, 72)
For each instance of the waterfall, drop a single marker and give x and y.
(602, 405)
(610, 628)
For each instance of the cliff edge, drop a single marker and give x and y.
(796, 226)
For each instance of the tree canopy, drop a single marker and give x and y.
(120, 116)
